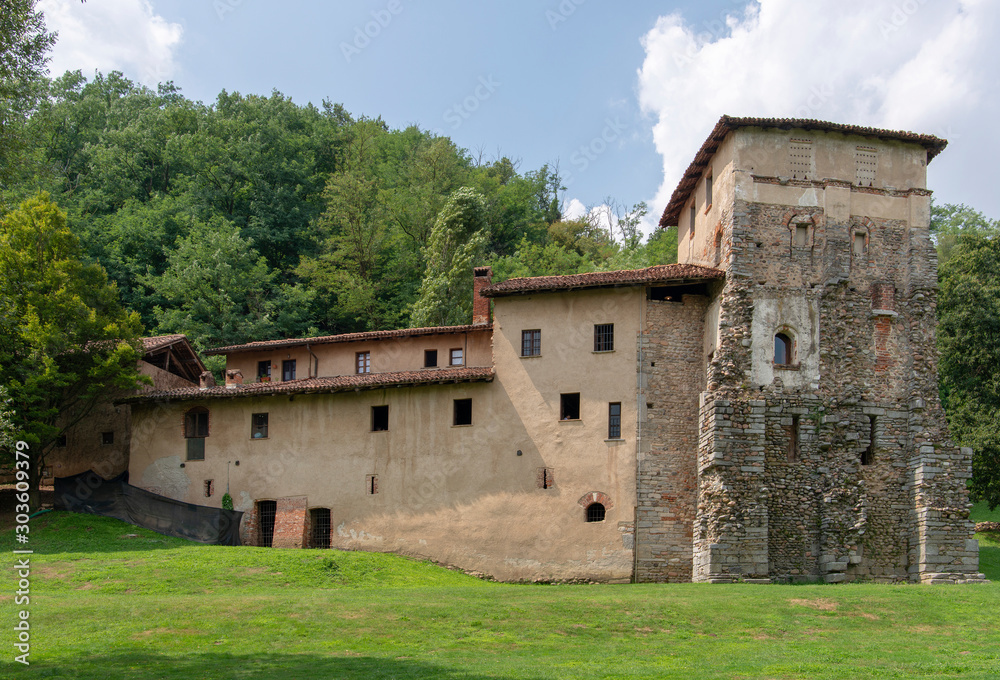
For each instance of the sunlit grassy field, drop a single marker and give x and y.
(107, 606)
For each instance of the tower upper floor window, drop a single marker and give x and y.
(363, 362)
(783, 349)
(865, 164)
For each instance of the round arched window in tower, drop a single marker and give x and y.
(783, 349)
(595, 512)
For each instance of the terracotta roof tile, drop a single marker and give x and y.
(662, 273)
(348, 337)
(159, 341)
(339, 383)
(671, 214)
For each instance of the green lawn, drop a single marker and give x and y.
(105, 606)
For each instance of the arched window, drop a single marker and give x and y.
(783, 349)
(595, 512)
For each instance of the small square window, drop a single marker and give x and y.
(380, 418)
(430, 358)
(463, 412)
(569, 406)
(531, 343)
(264, 370)
(258, 429)
(107, 438)
(604, 337)
(456, 358)
(288, 369)
(363, 362)
(61, 441)
(615, 420)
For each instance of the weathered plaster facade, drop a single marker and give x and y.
(637, 424)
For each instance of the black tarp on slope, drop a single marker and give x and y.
(90, 493)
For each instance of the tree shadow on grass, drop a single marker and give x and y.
(69, 532)
(139, 666)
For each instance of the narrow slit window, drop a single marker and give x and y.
(380, 418)
(604, 337)
(463, 412)
(615, 420)
(569, 406)
(371, 485)
(546, 478)
(868, 455)
(430, 358)
(793, 440)
(596, 512)
(258, 427)
(531, 343)
(782, 349)
(694, 214)
(708, 192)
(209, 488)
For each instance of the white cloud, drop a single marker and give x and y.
(910, 64)
(574, 210)
(106, 35)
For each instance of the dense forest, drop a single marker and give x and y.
(254, 217)
(127, 211)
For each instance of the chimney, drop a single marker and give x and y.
(234, 377)
(482, 277)
(206, 380)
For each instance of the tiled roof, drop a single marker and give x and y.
(662, 273)
(159, 341)
(671, 215)
(339, 383)
(347, 337)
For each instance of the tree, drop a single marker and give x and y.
(23, 47)
(456, 244)
(950, 221)
(969, 342)
(219, 290)
(65, 341)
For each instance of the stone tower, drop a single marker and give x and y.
(823, 451)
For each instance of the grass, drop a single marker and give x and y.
(107, 606)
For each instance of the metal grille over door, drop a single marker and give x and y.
(266, 510)
(319, 518)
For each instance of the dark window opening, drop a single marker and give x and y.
(363, 362)
(463, 412)
(264, 370)
(266, 511)
(615, 420)
(196, 449)
(604, 337)
(569, 406)
(380, 418)
(793, 440)
(258, 429)
(456, 357)
(209, 488)
(676, 293)
(708, 192)
(868, 455)
(694, 214)
(61, 441)
(107, 438)
(546, 478)
(531, 343)
(595, 512)
(371, 485)
(430, 358)
(319, 522)
(782, 349)
(288, 369)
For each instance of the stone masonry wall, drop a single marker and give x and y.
(672, 368)
(853, 476)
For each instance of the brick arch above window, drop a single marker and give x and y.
(596, 497)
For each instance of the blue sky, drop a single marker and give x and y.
(619, 95)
